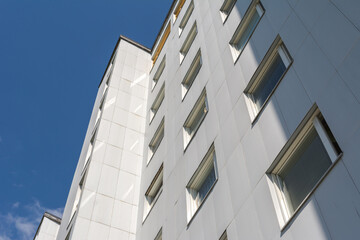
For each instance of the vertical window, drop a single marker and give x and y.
(158, 73)
(191, 74)
(188, 42)
(267, 76)
(77, 198)
(159, 235)
(306, 159)
(153, 192)
(156, 140)
(161, 43)
(195, 118)
(108, 75)
(98, 115)
(223, 236)
(157, 102)
(245, 29)
(226, 9)
(90, 149)
(186, 17)
(201, 183)
(178, 9)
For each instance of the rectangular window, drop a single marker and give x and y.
(266, 77)
(201, 183)
(191, 74)
(98, 115)
(246, 28)
(156, 140)
(195, 118)
(226, 9)
(90, 149)
(158, 73)
(77, 199)
(153, 192)
(161, 43)
(223, 236)
(157, 102)
(178, 9)
(108, 75)
(186, 17)
(307, 158)
(188, 41)
(159, 235)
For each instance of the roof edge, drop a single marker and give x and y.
(50, 216)
(135, 43)
(163, 25)
(122, 37)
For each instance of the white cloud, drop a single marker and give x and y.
(4, 237)
(23, 227)
(15, 205)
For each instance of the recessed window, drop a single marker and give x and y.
(156, 140)
(186, 17)
(246, 28)
(77, 198)
(68, 235)
(305, 160)
(159, 235)
(267, 76)
(226, 9)
(195, 118)
(153, 192)
(223, 236)
(201, 183)
(161, 43)
(108, 75)
(98, 115)
(158, 73)
(188, 41)
(178, 9)
(90, 150)
(157, 102)
(191, 74)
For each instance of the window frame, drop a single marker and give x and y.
(160, 44)
(159, 235)
(157, 103)
(226, 9)
(188, 42)
(186, 17)
(312, 121)
(158, 73)
(177, 10)
(157, 138)
(158, 176)
(191, 74)
(277, 47)
(255, 6)
(192, 206)
(224, 236)
(188, 137)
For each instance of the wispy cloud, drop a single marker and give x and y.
(23, 226)
(17, 185)
(15, 205)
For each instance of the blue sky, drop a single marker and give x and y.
(52, 57)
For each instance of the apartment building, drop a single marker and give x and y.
(241, 122)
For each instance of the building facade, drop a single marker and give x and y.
(48, 227)
(241, 122)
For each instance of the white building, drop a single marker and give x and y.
(48, 227)
(241, 122)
